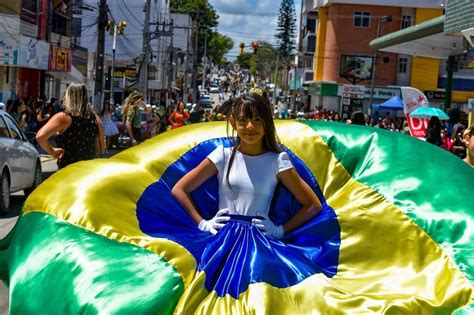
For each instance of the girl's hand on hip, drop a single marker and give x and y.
(267, 226)
(216, 223)
(57, 153)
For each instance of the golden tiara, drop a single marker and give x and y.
(256, 90)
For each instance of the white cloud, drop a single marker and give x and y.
(241, 20)
(248, 20)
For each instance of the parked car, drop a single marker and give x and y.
(20, 163)
(205, 101)
(214, 88)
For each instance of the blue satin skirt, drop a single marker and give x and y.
(239, 254)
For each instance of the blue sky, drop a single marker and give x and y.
(241, 20)
(248, 20)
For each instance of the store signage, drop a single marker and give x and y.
(34, 53)
(60, 58)
(435, 95)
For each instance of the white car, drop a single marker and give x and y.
(20, 163)
(214, 89)
(205, 101)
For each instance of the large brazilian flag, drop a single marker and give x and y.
(401, 241)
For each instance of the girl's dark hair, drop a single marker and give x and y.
(103, 107)
(252, 105)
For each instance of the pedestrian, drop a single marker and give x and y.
(80, 133)
(357, 118)
(433, 132)
(459, 147)
(179, 116)
(468, 138)
(19, 113)
(110, 129)
(131, 116)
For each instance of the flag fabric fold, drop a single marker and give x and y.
(104, 236)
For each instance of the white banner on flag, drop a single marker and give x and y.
(413, 99)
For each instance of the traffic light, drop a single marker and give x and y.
(121, 25)
(242, 46)
(255, 46)
(110, 27)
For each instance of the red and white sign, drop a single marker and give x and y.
(413, 99)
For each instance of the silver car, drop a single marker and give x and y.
(20, 164)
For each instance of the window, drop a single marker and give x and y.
(3, 129)
(402, 65)
(406, 21)
(361, 19)
(29, 11)
(15, 132)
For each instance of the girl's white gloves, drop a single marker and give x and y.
(268, 227)
(216, 223)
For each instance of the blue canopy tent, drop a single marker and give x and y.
(395, 103)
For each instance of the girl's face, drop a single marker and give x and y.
(250, 130)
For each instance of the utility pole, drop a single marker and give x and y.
(195, 58)
(99, 57)
(112, 99)
(171, 56)
(275, 99)
(204, 61)
(385, 18)
(143, 78)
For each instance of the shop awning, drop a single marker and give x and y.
(68, 77)
(426, 39)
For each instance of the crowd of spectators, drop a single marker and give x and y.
(31, 114)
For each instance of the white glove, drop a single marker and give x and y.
(268, 227)
(216, 223)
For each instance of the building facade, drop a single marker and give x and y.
(343, 57)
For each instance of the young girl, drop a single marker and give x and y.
(248, 173)
(131, 116)
(179, 116)
(247, 209)
(110, 129)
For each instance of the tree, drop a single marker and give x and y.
(286, 28)
(203, 14)
(218, 46)
(244, 60)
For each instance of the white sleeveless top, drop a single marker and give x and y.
(252, 179)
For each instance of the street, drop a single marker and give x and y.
(7, 222)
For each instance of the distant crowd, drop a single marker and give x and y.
(31, 114)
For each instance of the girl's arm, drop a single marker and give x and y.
(186, 114)
(99, 140)
(56, 124)
(311, 205)
(171, 118)
(189, 183)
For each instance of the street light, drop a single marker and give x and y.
(385, 18)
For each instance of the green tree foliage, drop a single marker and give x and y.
(244, 60)
(263, 61)
(200, 11)
(218, 45)
(286, 28)
(205, 18)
